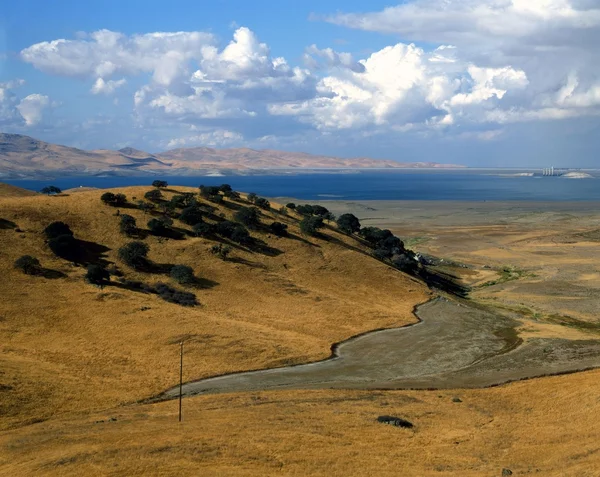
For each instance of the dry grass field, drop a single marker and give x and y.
(76, 360)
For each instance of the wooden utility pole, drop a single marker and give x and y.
(180, 378)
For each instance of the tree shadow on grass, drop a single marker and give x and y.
(51, 274)
(248, 263)
(7, 224)
(204, 283)
(300, 239)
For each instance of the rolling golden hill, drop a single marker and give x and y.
(77, 360)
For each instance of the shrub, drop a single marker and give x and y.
(107, 197)
(262, 203)
(182, 274)
(159, 184)
(56, 229)
(28, 265)
(221, 251)
(311, 225)
(134, 254)
(191, 215)
(120, 200)
(278, 228)
(97, 275)
(209, 192)
(226, 228)
(248, 216)
(49, 190)
(240, 235)
(145, 206)
(128, 225)
(64, 246)
(348, 223)
(172, 295)
(305, 209)
(159, 226)
(252, 197)
(183, 200)
(291, 205)
(283, 211)
(233, 195)
(113, 199)
(153, 195)
(225, 188)
(203, 229)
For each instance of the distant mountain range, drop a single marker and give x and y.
(24, 156)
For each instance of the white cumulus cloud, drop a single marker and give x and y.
(32, 108)
(107, 87)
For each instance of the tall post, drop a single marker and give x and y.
(180, 378)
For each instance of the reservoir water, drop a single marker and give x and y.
(380, 185)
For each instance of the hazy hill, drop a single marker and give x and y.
(26, 156)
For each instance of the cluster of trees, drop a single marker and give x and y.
(116, 200)
(259, 201)
(314, 210)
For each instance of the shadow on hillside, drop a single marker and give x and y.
(152, 267)
(7, 224)
(259, 246)
(83, 252)
(443, 281)
(248, 263)
(301, 239)
(51, 274)
(204, 283)
(127, 205)
(174, 233)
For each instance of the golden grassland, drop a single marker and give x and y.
(74, 355)
(69, 346)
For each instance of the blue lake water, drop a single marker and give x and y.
(392, 185)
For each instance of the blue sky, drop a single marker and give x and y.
(476, 82)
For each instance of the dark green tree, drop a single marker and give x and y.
(51, 190)
(28, 265)
(108, 198)
(248, 216)
(145, 206)
(128, 225)
(279, 229)
(225, 188)
(160, 184)
(252, 197)
(97, 275)
(262, 203)
(241, 235)
(153, 195)
(64, 246)
(203, 229)
(56, 229)
(134, 254)
(191, 215)
(311, 225)
(183, 274)
(291, 205)
(348, 223)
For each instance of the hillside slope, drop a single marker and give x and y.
(67, 345)
(7, 190)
